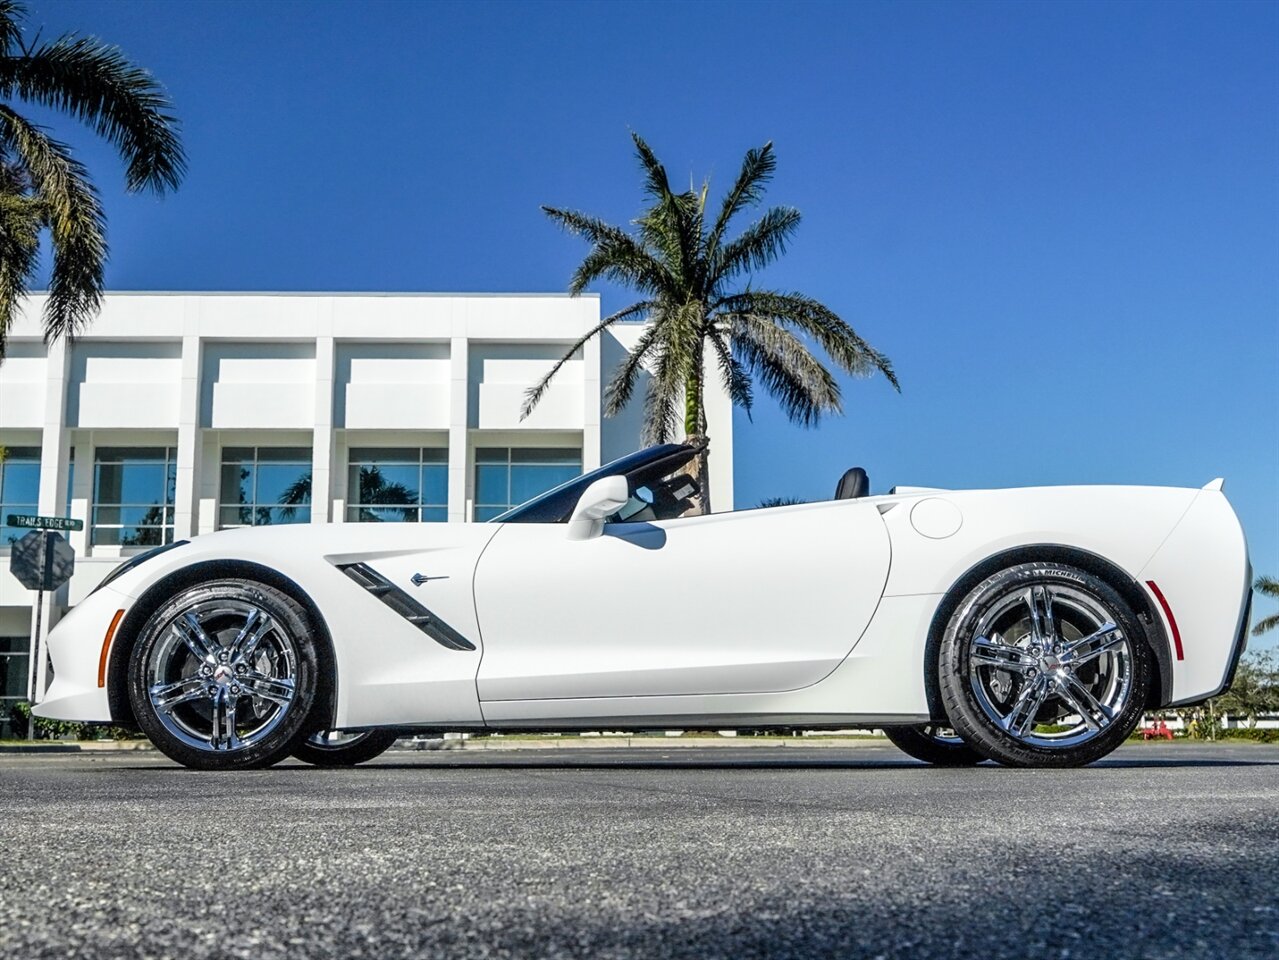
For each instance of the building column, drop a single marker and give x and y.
(54, 450)
(81, 492)
(459, 422)
(207, 482)
(719, 427)
(322, 442)
(591, 412)
(186, 506)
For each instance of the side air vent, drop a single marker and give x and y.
(406, 606)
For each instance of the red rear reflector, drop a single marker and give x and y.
(1172, 621)
(106, 648)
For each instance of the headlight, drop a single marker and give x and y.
(135, 561)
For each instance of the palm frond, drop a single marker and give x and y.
(670, 227)
(665, 387)
(75, 219)
(11, 16)
(733, 375)
(1267, 587)
(297, 494)
(759, 245)
(802, 386)
(120, 100)
(376, 489)
(656, 185)
(592, 229)
(748, 190)
(21, 218)
(618, 392)
(534, 394)
(835, 336)
(614, 256)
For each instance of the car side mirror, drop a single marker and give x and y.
(602, 498)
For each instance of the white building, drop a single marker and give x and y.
(178, 414)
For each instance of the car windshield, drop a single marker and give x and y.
(643, 470)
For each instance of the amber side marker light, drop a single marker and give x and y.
(106, 648)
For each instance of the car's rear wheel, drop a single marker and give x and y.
(1044, 665)
(344, 748)
(934, 743)
(224, 675)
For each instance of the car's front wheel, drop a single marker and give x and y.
(344, 748)
(935, 744)
(1044, 665)
(224, 675)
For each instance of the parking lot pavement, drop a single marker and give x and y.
(1160, 851)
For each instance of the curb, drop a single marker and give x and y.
(71, 746)
(37, 747)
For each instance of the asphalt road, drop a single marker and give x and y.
(1160, 851)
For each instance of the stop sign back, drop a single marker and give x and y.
(42, 560)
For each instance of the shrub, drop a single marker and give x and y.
(46, 729)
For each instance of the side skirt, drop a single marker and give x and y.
(734, 721)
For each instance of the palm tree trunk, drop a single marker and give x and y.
(695, 427)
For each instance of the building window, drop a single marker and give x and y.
(14, 662)
(398, 484)
(507, 476)
(133, 491)
(19, 488)
(265, 485)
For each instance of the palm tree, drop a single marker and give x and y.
(377, 491)
(1267, 587)
(43, 187)
(769, 502)
(690, 275)
(296, 494)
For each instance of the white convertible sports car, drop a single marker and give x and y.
(1028, 626)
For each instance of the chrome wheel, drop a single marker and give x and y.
(345, 748)
(934, 743)
(222, 675)
(940, 734)
(1049, 666)
(336, 739)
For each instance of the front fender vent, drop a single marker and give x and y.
(406, 606)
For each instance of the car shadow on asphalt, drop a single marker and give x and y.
(797, 765)
(771, 763)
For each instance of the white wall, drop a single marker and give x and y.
(22, 385)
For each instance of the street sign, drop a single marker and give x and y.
(42, 561)
(43, 523)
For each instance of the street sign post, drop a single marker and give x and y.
(41, 560)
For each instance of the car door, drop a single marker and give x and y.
(749, 602)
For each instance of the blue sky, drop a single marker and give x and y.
(1060, 221)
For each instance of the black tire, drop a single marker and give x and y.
(931, 744)
(364, 745)
(1049, 674)
(252, 638)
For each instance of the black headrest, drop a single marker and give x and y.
(852, 485)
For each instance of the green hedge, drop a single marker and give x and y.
(1260, 735)
(46, 729)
